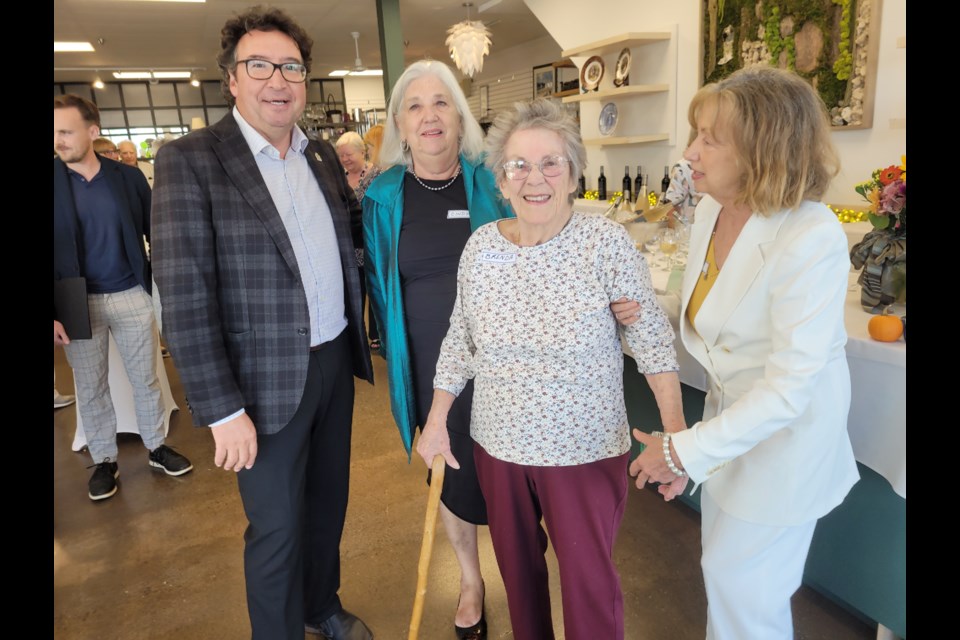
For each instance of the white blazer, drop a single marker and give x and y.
(773, 441)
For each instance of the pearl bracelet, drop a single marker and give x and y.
(666, 454)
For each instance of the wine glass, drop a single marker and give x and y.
(652, 244)
(669, 243)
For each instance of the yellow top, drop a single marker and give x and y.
(708, 274)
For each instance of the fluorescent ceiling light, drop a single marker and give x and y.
(339, 73)
(132, 75)
(171, 74)
(72, 46)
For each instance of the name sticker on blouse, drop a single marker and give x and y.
(495, 257)
(458, 214)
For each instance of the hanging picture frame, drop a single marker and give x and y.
(544, 81)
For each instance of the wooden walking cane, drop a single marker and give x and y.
(426, 548)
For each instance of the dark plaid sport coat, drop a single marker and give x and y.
(235, 312)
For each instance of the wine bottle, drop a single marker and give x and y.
(602, 185)
(637, 184)
(581, 186)
(665, 184)
(627, 197)
(641, 203)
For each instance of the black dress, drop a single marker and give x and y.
(433, 233)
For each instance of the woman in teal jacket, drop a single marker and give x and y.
(417, 217)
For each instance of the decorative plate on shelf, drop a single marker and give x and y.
(591, 73)
(608, 119)
(621, 77)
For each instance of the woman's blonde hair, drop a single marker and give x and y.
(374, 140)
(780, 133)
(471, 135)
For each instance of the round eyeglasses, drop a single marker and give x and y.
(550, 167)
(264, 70)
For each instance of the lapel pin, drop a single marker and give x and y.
(317, 156)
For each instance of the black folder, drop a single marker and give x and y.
(70, 307)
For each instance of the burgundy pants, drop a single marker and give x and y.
(582, 506)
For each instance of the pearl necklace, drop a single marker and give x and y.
(456, 175)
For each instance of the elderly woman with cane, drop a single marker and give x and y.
(533, 328)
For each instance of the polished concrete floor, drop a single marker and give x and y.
(163, 557)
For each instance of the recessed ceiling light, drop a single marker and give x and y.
(171, 74)
(98, 83)
(339, 73)
(368, 72)
(72, 46)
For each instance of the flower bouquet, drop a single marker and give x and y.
(882, 254)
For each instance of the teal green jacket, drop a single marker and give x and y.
(382, 214)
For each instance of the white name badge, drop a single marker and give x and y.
(496, 257)
(458, 214)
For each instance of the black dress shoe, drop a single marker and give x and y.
(341, 626)
(477, 631)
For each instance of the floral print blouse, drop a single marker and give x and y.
(533, 327)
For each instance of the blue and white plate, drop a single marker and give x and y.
(608, 119)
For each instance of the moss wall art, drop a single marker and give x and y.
(831, 43)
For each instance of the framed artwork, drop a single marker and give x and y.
(544, 81)
(833, 44)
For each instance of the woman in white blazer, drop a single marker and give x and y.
(764, 316)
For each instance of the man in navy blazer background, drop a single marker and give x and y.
(261, 311)
(101, 215)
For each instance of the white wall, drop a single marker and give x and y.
(365, 92)
(571, 25)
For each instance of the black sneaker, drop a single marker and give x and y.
(173, 464)
(103, 482)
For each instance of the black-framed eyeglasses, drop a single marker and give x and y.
(264, 69)
(550, 167)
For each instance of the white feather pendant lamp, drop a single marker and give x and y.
(468, 42)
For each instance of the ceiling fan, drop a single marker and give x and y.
(358, 63)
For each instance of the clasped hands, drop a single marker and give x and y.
(651, 466)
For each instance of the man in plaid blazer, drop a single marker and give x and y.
(261, 309)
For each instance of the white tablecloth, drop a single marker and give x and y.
(878, 375)
(121, 392)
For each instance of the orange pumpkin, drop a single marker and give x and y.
(885, 328)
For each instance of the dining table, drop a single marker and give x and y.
(858, 554)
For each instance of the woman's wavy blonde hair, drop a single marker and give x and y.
(780, 133)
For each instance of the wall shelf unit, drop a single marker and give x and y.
(617, 92)
(611, 141)
(615, 43)
(646, 103)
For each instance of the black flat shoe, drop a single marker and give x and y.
(477, 631)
